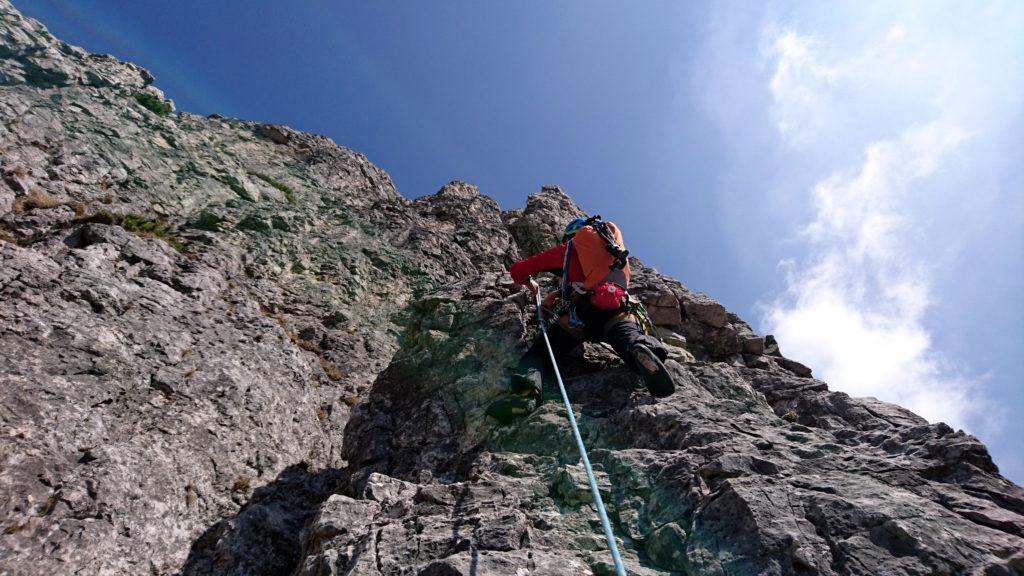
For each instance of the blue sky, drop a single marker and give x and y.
(847, 176)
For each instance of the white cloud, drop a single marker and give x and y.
(855, 309)
(799, 86)
(911, 99)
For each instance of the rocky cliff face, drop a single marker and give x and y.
(232, 348)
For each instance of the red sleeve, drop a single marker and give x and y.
(551, 259)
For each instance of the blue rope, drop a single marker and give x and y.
(619, 570)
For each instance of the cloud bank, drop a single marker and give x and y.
(907, 102)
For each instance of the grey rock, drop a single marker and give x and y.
(30, 55)
(539, 226)
(753, 345)
(795, 367)
(276, 134)
(667, 547)
(703, 309)
(664, 310)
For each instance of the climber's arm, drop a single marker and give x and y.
(548, 260)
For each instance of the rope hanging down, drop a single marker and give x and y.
(609, 536)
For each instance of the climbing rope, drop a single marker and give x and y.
(619, 570)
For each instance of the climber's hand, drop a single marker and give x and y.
(532, 285)
(551, 300)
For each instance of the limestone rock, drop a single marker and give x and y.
(703, 309)
(32, 56)
(539, 226)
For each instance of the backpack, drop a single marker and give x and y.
(603, 256)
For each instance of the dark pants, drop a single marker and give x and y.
(622, 333)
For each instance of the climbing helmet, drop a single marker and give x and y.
(573, 227)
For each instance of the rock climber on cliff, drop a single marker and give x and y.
(591, 305)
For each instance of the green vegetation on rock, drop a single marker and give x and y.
(208, 221)
(150, 228)
(289, 194)
(236, 186)
(153, 103)
(255, 223)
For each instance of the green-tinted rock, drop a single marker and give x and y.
(254, 223)
(667, 547)
(207, 220)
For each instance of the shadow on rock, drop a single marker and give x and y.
(265, 537)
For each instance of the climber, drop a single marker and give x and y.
(592, 305)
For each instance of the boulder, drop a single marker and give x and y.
(700, 307)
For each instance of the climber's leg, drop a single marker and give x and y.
(642, 353)
(535, 365)
(527, 380)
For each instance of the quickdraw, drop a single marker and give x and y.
(643, 319)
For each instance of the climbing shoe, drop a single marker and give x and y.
(510, 408)
(528, 384)
(660, 351)
(656, 377)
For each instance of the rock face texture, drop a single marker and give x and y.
(232, 348)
